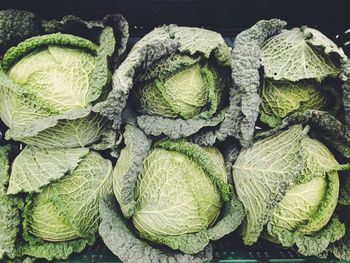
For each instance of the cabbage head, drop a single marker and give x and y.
(289, 185)
(50, 83)
(68, 209)
(180, 190)
(280, 72)
(173, 193)
(296, 62)
(178, 82)
(61, 190)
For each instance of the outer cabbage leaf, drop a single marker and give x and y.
(266, 169)
(302, 53)
(177, 128)
(36, 167)
(54, 250)
(92, 131)
(16, 60)
(121, 240)
(346, 92)
(341, 248)
(195, 40)
(246, 63)
(232, 149)
(91, 29)
(128, 168)
(9, 212)
(326, 128)
(280, 98)
(312, 245)
(152, 47)
(16, 26)
(159, 44)
(344, 192)
(318, 161)
(317, 39)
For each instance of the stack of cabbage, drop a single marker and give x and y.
(293, 180)
(180, 144)
(50, 79)
(172, 185)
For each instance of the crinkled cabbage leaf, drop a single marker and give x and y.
(9, 208)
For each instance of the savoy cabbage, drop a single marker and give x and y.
(290, 183)
(174, 193)
(50, 82)
(51, 77)
(178, 80)
(190, 166)
(59, 205)
(301, 70)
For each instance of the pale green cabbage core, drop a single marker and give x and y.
(281, 98)
(175, 196)
(48, 223)
(299, 204)
(60, 76)
(309, 204)
(184, 92)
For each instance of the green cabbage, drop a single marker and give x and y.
(50, 82)
(178, 80)
(174, 193)
(163, 211)
(68, 209)
(297, 56)
(279, 72)
(63, 187)
(36, 98)
(289, 185)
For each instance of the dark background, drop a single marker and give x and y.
(228, 17)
